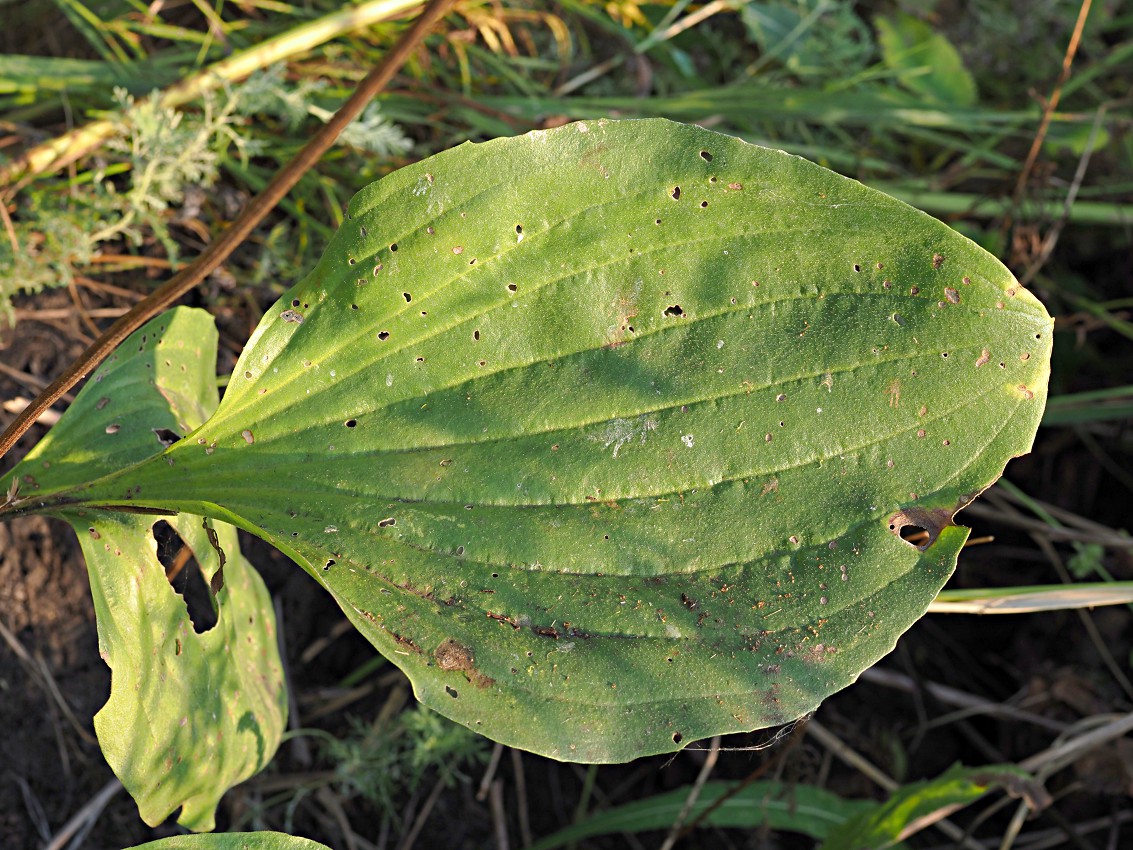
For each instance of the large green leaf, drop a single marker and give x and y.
(607, 434)
(189, 714)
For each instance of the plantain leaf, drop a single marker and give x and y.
(154, 389)
(189, 714)
(924, 61)
(609, 435)
(233, 841)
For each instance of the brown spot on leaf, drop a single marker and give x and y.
(406, 642)
(937, 260)
(452, 655)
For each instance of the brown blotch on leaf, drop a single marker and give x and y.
(984, 357)
(453, 655)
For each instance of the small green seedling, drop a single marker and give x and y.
(612, 437)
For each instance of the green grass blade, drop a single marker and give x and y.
(1027, 600)
(914, 806)
(789, 808)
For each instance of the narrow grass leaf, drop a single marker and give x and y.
(791, 808)
(914, 806)
(1028, 600)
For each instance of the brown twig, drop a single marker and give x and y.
(1052, 101)
(182, 282)
(693, 794)
(521, 798)
(85, 816)
(499, 816)
(794, 736)
(1052, 236)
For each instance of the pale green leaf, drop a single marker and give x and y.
(233, 841)
(924, 60)
(156, 387)
(606, 434)
(189, 714)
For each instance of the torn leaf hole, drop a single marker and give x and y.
(674, 311)
(387, 522)
(676, 193)
(706, 156)
(920, 527)
(166, 437)
(184, 574)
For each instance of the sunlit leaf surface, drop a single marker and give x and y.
(190, 714)
(608, 435)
